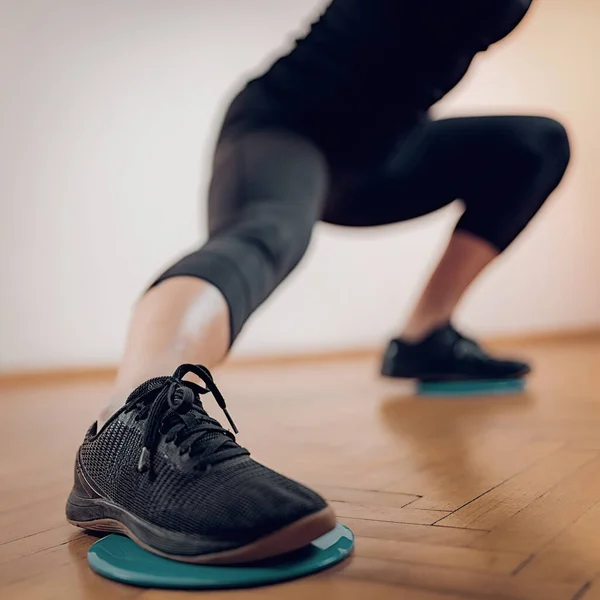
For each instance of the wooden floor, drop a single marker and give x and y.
(468, 498)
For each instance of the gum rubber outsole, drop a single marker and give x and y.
(292, 537)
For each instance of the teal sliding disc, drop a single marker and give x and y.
(490, 387)
(119, 558)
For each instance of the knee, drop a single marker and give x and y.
(287, 241)
(543, 147)
(281, 239)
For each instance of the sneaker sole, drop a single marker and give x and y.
(112, 519)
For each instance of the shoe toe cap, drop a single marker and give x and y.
(514, 368)
(246, 505)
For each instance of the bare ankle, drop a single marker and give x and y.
(109, 410)
(181, 320)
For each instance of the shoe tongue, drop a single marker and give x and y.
(193, 411)
(146, 387)
(192, 417)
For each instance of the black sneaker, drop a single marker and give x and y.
(166, 474)
(446, 355)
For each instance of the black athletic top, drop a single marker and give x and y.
(369, 69)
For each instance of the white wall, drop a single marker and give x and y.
(107, 116)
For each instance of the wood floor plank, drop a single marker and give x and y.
(365, 497)
(59, 573)
(404, 532)
(506, 500)
(37, 542)
(574, 555)
(452, 481)
(547, 516)
(383, 513)
(589, 592)
(469, 583)
(318, 588)
(69, 582)
(33, 564)
(41, 515)
(500, 563)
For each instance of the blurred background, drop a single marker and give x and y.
(108, 115)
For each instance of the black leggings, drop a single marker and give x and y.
(270, 186)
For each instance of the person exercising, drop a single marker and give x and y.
(339, 131)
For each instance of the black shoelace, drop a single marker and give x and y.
(177, 412)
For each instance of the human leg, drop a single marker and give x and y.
(266, 193)
(160, 469)
(502, 168)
